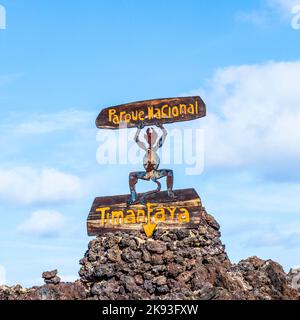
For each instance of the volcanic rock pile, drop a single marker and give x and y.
(182, 264)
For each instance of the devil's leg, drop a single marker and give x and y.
(133, 179)
(170, 180)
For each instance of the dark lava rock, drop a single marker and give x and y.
(156, 246)
(50, 277)
(47, 275)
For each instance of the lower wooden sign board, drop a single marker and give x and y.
(109, 214)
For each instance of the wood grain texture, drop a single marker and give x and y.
(186, 199)
(165, 112)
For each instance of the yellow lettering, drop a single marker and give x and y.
(127, 117)
(182, 108)
(184, 216)
(163, 114)
(191, 109)
(102, 212)
(175, 111)
(117, 217)
(134, 115)
(150, 112)
(172, 212)
(151, 206)
(142, 115)
(116, 119)
(160, 215)
(130, 217)
(139, 214)
(122, 114)
(111, 113)
(150, 209)
(157, 114)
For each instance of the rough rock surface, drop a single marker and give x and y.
(61, 291)
(50, 277)
(182, 264)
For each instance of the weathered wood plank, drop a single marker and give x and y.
(112, 214)
(151, 112)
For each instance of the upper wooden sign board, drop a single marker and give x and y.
(151, 112)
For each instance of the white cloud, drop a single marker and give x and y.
(26, 185)
(253, 118)
(43, 223)
(2, 17)
(276, 238)
(47, 123)
(284, 7)
(2, 275)
(264, 15)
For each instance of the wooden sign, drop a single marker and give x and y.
(151, 112)
(109, 214)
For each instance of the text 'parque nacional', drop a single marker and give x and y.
(151, 112)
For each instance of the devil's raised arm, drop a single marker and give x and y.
(138, 141)
(163, 137)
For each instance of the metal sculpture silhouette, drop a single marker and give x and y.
(151, 164)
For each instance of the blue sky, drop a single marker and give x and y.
(61, 62)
